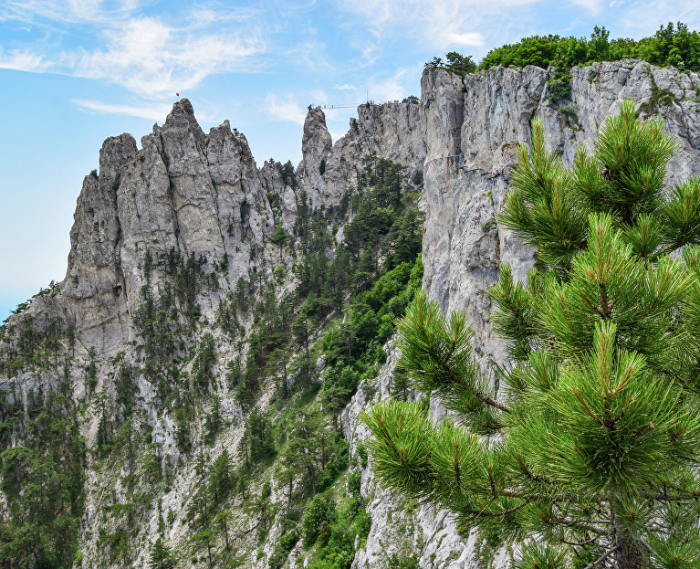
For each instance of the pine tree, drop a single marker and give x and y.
(280, 237)
(259, 432)
(596, 459)
(334, 399)
(301, 455)
(400, 385)
(214, 422)
(221, 478)
(222, 520)
(161, 556)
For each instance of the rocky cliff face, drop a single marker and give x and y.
(471, 129)
(183, 191)
(186, 196)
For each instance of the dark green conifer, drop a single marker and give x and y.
(596, 459)
(161, 556)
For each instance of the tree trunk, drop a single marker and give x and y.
(226, 535)
(312, 476)
(629, 556)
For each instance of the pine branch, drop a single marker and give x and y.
(602, 558)
(480, 395)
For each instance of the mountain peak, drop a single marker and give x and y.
(182, 116)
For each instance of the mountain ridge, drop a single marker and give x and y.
(193, 210)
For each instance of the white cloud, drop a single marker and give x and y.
(22, 61)
(346, 87)
(644, 18)
(393, 88)
(593, 6)
(284, 109)
(70, 11)
(154, 60)
(319, 97)
(311, 53)
(156, 112)
(145, 55)
(207, 16)
(437, 24)
(470, 39)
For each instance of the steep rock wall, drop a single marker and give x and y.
(471, 130)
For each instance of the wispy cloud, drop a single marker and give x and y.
(284, 109)
(71, 11)
(394, 87)
(22, 60)
(154, 60)
(145, 55)
(437, 24)
(593, 6)
(155, 112)
(644, 18)
(312, 53)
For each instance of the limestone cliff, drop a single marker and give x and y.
(194, 208)
(471, 128)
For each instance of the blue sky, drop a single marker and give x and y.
(75, 72)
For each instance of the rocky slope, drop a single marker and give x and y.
(190, 205)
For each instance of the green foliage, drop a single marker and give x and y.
(372, 276)
(355, 345)
(456, 63)
(320, 516)
(288, 174)
(42, 482)
(280, 236)
(385, 222)
(623, 179)
(340, 524)
(400, 385)
(598, 432)
(203, 362)
(27, 345)
(396, 562)
(559, 87)
(659, 98)
(221, 478)
(289, 538)
(257, 443)
(161, 556)
(670, 45)
(214, 422)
